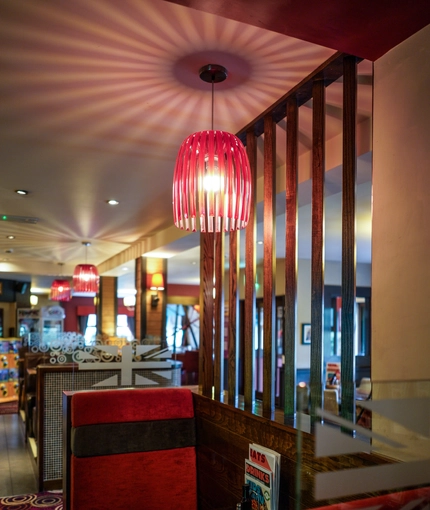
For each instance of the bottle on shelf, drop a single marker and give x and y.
(245, 503)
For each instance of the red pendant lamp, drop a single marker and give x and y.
(212, 177)
(85, 276)
(60, 290)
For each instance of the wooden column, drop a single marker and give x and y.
(233, 320)
(155, 311)
(349, 173)
(108, 305)
(291, 257)
(219, 316)
(140, 308)
(206, 312)
(269, 259)
(250, 272)
(317, 263)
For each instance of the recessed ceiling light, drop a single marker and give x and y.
(125, 268)
(112, 202)
(21, 191)
(259, 242)
(10, 237)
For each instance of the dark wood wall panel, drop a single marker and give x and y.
(233, 320)
(317, 276)
(269, 266)
(349, 172)
(223, 437)
(250, 277)
(291, 257)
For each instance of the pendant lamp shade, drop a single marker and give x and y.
(60, 290)
(212, 177)
(85, 278)
(211, 183)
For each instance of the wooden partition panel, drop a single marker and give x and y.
(223, 437)
(312, 87)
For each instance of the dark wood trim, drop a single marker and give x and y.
(291, 259)
(269, 263)
(329, 71)
(233, 319)
(317, 262)
(349, 174)
(250, 277)
(206, 311)
(67, 451)
(219, 316)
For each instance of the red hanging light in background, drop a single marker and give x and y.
(60, 290)
(86, 276)
(212, 177)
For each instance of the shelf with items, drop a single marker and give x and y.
(9, 379)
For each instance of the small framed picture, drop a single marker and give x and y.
(306, 333)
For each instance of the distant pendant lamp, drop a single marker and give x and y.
(212, 177)
(85, 276)
(60, 288)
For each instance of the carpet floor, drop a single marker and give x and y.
(46, 500)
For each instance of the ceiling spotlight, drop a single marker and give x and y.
(112, 202)
(21, 192)
(259, 242)
(10, 237)
(125, 268)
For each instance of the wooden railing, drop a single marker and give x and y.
(212, 256)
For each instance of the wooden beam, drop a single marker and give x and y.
(219, 316)
(317, 263)
(206, 312)
(269, 260)
(233, 320)
(250, 273)
(349, 175)
(291, 234)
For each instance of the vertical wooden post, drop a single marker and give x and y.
(233, 320)
(349, 174)
(250, 271)
(291, 257)
(140, 308)
(269, 260)
(317, 284)
(219, 316)
(108, 305)
(206, 312)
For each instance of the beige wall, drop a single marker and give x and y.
(401, 213)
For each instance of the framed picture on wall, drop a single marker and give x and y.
(306, 333)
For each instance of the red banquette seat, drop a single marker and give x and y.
(133, 449)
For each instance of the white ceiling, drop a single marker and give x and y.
(95, 100)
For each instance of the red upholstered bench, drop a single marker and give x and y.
(133, 449)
